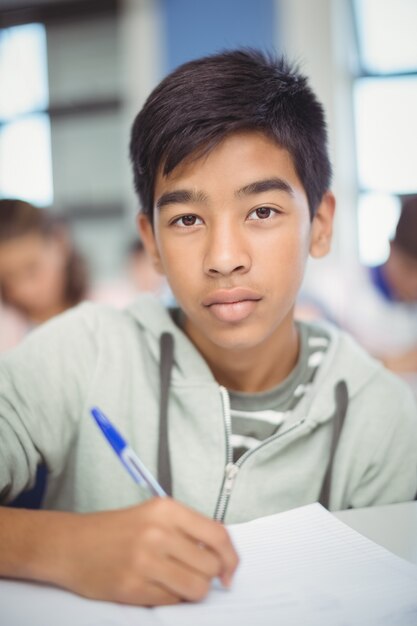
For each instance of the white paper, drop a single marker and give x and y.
(299, 568)
(305, 567)
(32, 604)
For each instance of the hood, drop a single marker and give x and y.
(155, 319)
(345, 360)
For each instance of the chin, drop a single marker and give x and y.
(236, 341)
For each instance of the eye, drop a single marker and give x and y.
(262, 213)
(187, 220)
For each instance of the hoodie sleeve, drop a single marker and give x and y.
(42, 386)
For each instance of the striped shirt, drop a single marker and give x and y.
(257, 416)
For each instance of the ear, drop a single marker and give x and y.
(322, 226)
(147, 235)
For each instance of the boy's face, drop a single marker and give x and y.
(232, 233)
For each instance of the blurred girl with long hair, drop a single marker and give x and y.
(41, 273)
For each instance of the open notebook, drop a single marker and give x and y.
(302, 567)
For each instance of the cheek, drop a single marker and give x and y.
(179, 266)
(50, 276)
(283, 269)
(287, 253)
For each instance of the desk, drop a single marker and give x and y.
(393, 526)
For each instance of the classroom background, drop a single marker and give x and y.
(74, 73)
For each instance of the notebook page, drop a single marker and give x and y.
(26, 603)
(306, 567)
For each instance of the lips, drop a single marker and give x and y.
(230, 296)
(232, 305)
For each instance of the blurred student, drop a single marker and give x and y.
(143, 275)
(41, 274)
(141, 270)
(396, 282)
(138, 276)
(378, 305)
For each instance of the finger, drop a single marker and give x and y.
(200, 529)
(212, 535)
(178, 579)
(155, 594)
(195, 556)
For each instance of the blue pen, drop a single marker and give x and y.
(130, 460)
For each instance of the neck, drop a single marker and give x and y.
(257, 368)
(38, 317)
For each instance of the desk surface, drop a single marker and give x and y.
(393, 526)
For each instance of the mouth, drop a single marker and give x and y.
(232, 305)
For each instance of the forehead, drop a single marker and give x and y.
(238, 160)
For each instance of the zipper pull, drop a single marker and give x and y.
(230, 471)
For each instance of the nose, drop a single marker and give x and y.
(227, 251)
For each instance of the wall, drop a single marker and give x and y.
(319, 35)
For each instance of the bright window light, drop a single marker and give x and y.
(25, 159)
(23, 70)
(385, 99)
(386, 133)
(25, 134)
(387, 35)
(377, 219)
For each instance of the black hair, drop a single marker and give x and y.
(195, 107)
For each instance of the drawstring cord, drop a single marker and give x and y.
(166, 345)
(342, 401)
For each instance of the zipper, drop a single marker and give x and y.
(232, 469)
(227, 483)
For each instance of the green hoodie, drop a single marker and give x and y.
(98, 356)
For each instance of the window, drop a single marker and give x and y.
(385, 101)
(25, 143)
(63, 135)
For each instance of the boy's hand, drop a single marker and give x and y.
(156, 553)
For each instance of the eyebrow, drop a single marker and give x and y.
(269, 184)
(181, 196)
(190, 196)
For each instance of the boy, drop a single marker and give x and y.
(231, 404)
